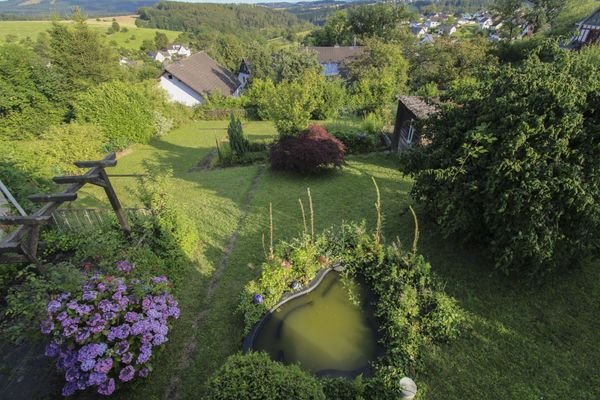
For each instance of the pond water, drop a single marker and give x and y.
(330, 331)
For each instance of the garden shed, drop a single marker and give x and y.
(410, 110)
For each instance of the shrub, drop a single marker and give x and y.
(255, 376)
(173, 232)
(354, 138)
(512, 168)
(237, 141)
(124, 112)
(313, 149)
(106, 332)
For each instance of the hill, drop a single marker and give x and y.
(44, 8)
(239, 19)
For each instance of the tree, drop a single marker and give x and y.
(148, 45)
(378, 76)
(78, 54)
(508, 11)
(160, 40)
(375, 20)
(115, 26)
(237, 141)
(513, 162)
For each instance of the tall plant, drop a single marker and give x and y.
(237, 141)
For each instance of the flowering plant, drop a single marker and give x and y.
(107, 333)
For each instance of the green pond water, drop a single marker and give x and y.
(330, 331)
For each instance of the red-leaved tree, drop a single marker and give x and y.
(310, 151)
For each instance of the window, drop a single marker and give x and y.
(411, 132)
(170, 76)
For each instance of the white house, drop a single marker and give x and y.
(159, 56)
(447, 30)
(188, 81)
(418, 31)
(427, 39)
(430, 23)
(178, 50)
(485, 23)
(333, 58)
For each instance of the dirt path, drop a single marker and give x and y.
(172, 392)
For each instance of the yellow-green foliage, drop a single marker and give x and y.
(124, 112)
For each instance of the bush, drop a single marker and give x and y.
(255, 376)
(105, 333)
(237, 141)
(124, 112)
(356, 139)
(312, 150)
(512, 168)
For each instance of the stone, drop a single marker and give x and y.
(409, 388)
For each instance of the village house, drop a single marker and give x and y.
(188, 81)
(427, 39)
(410, 110)
(160, 56)
(588, 31)
(333, 58)
(178, 50)
(418, 31)
(447, 30)
(485, 22)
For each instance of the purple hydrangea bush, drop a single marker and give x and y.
(107, 335)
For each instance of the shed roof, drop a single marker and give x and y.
(592, 20)
(417, 106)
(203, 74)
(336, 54)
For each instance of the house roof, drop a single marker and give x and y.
(416, 29)
(203, 74)
(593, 20)
(337, 54)
(417, 106)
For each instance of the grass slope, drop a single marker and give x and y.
(31, 29)
(525, 343)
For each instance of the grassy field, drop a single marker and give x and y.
(129, 40)
(521, 343)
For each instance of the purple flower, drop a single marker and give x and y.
(132, 317)
(88, 365)
(144, 372)
(105, 306)
(69, 389)
(66, 359)
(173, 312)
(89, 295)
(119, 332)
(122, 347)
(82, 335)
(97, 378)
(159, 279)
(63, 296)
(107, 388)
(72, 374)
(47, 326)
(62, 316)
(52, 349)
(158, 340)
(127, 373)
(101, 287)
(146, 303)
(103, 365)
(127, 358)
(54, 306)
(124, 266)
(145, 354)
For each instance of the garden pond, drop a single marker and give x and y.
(330, 330)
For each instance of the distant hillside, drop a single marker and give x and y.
(44, 8)
(239, 19)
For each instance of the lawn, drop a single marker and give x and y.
(129, 40)
(522, 342)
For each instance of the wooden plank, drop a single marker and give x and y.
(76, 178)
(6, 247)
(99, 163)
(46, 198)
(114, 202)
(28, 221)
(11, 199)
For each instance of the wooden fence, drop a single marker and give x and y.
(85, 219)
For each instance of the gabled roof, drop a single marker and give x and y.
(593, 20)
(204, 75)
(337, 54)
(417, 106)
